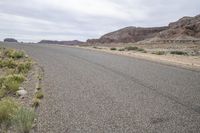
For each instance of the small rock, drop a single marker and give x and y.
(21, 88)
(26, 56)
(21, 92)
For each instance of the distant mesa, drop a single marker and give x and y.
(74, 42)
(10, 40)
(186, 28)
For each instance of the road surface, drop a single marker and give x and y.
(94, 92)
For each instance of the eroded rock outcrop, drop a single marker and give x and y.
(186, 27)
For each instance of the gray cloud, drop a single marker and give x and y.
(33, 20)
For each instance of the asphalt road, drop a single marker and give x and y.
(94, 92)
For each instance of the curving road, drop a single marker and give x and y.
(94, 92)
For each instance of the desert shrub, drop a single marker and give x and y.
(8, 108)
(131, 48)
(140, 49)
(8, 52)
(24, 67)
(11, 86)
(14, 54)
(144, 51)
(179, 53)
(17, 77)
(1, 81)
(38, 86)
(12, 82)
(24, 119)
(113, 49)
(18, 54)
(1, 63)
(36, 102)
(159, 52)
(121, 49)
(39, 94)
(2, 92)
(10, 63)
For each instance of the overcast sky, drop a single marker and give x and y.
(33, 20)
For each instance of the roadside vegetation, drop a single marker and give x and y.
(121, 49)
(138, 49)
(133, 48)
(159, 52)
(113, 49)
(38, 90)
(179, 53)
(14, 67)
(129, 48)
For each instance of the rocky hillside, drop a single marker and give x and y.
(128, 34)
(187, 28)
(74, 42)
(184, 28)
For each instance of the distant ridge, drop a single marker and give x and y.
(183, 29)
(74, 42)
(10, 40)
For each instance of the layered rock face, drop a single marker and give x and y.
(74, 42)
(183, 28)
(128, 34)
(186, 28)
(10, 40)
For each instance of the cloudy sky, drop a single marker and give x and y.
(33, 20)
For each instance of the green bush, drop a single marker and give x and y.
(140, 49)
(17, 54)
(10, 63)
(12, 82)
(16, 77)
(8, 52)
(24, 120)
(113, 49)
(39, 94)
(8, 108)
(36, 102)
(122, 49)
(11, 86)
(24, 67)
(2, 92)
(1, 63)
(159, 52)
(179, 53)
(14, 54)
(131, 48)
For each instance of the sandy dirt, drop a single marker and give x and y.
(191, 62)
